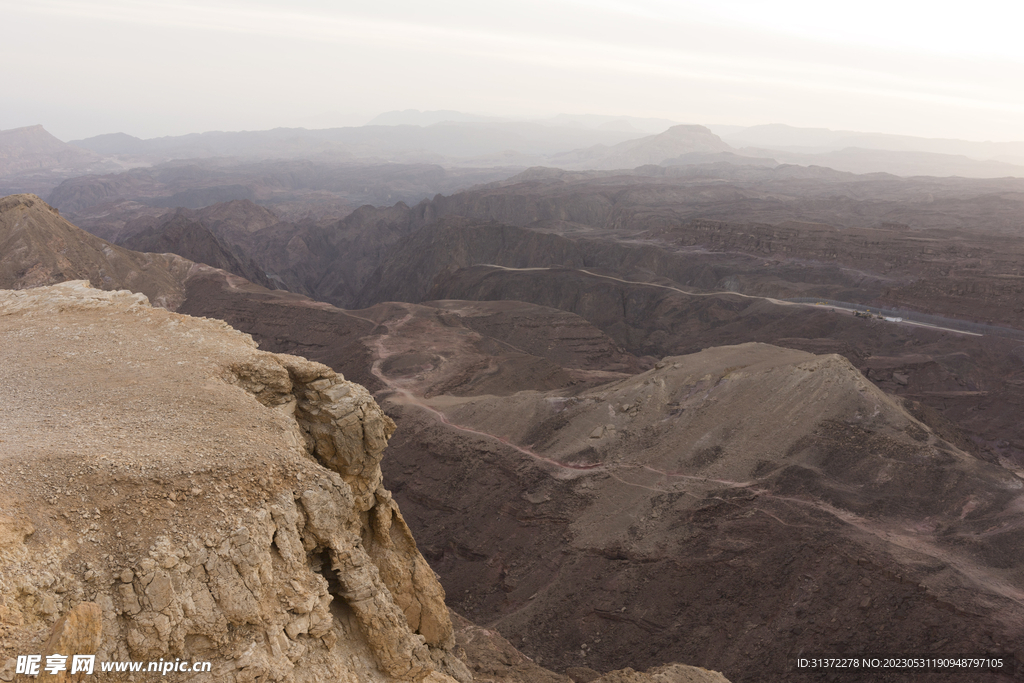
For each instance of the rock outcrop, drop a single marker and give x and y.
(190, 497)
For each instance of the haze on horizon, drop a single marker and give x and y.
(86, 67)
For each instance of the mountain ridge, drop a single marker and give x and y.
(31, 150)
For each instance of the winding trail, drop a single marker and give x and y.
(680, 475)
(410, 398)
(780, 302)
(645, 284)
(407, 397)
(981, 578)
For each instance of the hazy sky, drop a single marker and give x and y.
(936, 69)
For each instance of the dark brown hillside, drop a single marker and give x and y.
(285, 322)
(190, 239)
(733, 508)
(332, 261)
(464, 347)
(329, 260)
(977, 382)
(645, 589)
(941, 245)
(437, 251)
(650, 566)
(679, 564)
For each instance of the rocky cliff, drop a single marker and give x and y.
(173, 493)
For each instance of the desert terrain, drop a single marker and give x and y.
(666, 405)
(271, 548)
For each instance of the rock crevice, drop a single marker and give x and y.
(245, 525)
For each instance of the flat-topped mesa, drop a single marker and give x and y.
(213, 502)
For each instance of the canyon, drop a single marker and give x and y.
(270, 547)
(645, 416)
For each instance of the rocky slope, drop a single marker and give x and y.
(315, 253)
(624, 252)
(935, 245)
(443, 385)
(505, 405)
(973, 381)
(730, 508)
(295, 190)
(493, 659)
(327, 260)
(331, 261)
(269, 545)
(190, 239)
(171, 492)
(38, 247)
(235, 221)
(464, 347)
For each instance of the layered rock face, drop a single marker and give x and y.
(171, 492)
(191, 240)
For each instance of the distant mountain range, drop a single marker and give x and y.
(586, 142)
(29, 150)
(777, 136)
(625, 124)
(33, 160)
(654, 149)
(476, 142)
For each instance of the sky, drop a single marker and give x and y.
(154, 68)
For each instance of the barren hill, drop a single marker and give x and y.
(729, 508)
(190, 239)
(38, 247)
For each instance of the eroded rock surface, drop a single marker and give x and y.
(211, 501)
